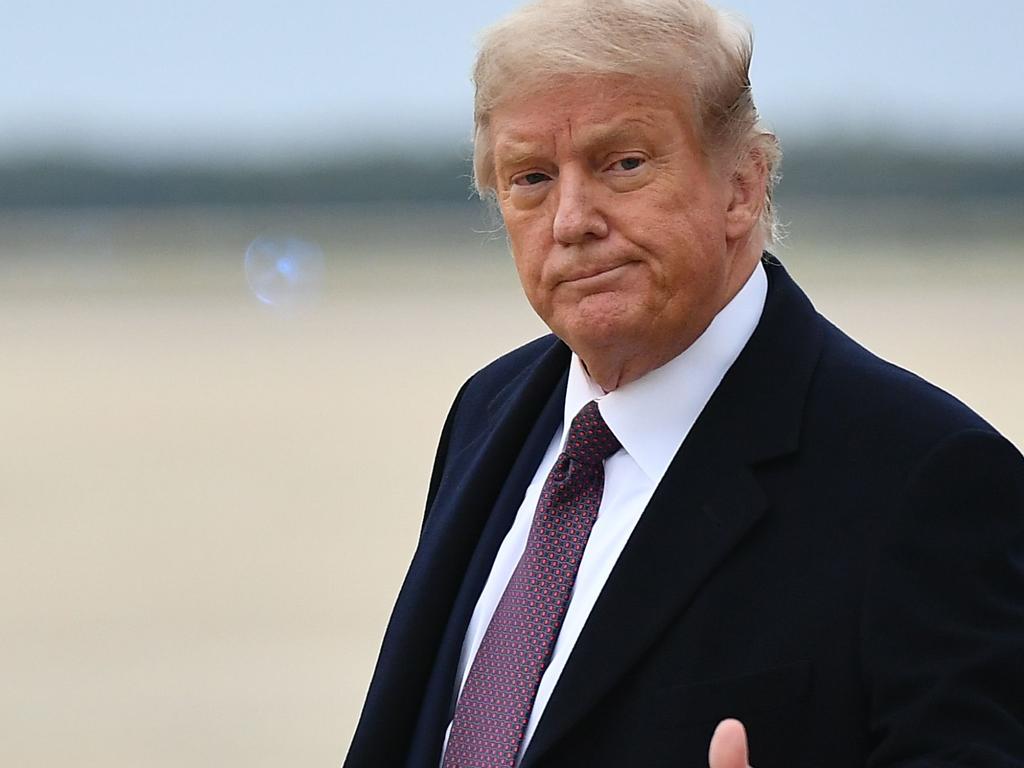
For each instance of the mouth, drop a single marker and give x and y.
(597, 274)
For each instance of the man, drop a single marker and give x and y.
(697, 522)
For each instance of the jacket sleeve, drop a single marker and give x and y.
(943, 622)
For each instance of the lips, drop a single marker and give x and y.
(594, 272)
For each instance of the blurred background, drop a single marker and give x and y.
(242, 276)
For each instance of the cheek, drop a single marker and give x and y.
(528, 253)
(529, 261)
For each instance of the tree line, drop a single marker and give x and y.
(809, 171)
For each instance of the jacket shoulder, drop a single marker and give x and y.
(481, 389)
(470, 414)
(511, 363)
(869, 400)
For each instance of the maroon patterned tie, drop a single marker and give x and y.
(491, 716)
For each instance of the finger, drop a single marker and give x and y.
(728, 746)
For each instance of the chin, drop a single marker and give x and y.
(598, 322)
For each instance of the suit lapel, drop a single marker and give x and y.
(475, 475)
(707, 502)
(702, 509)
(438, 704)
(465, 498)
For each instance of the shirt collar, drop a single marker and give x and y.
(652, 415)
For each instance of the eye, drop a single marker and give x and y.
(630, 163)
(530, 179)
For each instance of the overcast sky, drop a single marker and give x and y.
(251, 78)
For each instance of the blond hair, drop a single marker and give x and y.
(705, 51)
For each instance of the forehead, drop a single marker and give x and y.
(585, 110)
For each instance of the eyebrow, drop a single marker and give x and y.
(514, 152)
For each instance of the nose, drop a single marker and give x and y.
(577, 218)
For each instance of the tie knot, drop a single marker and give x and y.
(590, 441)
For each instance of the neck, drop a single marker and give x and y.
(610, 372)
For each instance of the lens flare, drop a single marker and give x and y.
(284, 271)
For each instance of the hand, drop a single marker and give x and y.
(728, 746)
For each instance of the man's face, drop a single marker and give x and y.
(616, 218)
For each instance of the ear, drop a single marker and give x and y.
(748, 184)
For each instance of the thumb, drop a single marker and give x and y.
(728, 746)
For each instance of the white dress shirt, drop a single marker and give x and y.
(650, 417)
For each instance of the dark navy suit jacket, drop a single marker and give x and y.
(835, 556)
